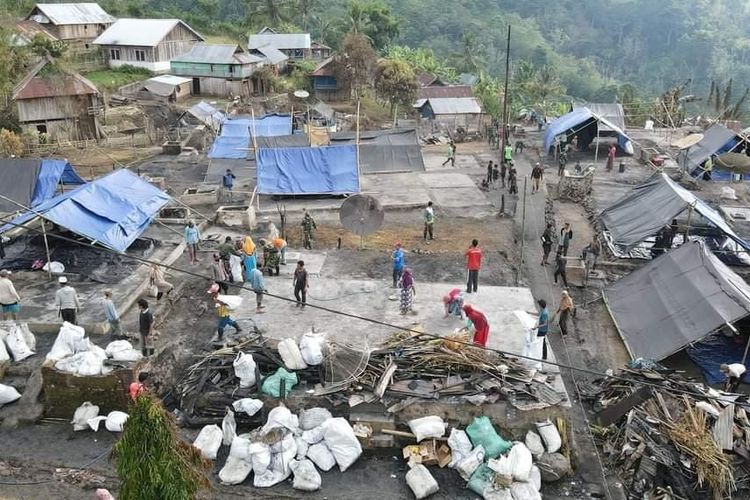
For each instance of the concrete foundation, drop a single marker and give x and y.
(200, 195)
(236, 216)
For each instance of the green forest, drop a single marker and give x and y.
(590, 49)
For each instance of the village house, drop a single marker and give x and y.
(452, 112)
(147, 43)
(297, 46)
(57, 104)
(273, 57)
(76, 23)
(326, 86)
(220, 70)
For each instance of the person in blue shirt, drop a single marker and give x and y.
(256, 282)
(398, 258)
(192, 237)
(227, 182)
(542, 327)
(110, 312)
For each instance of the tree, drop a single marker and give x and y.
(152, 461)
(488, 91)
(396, 82)
(374, 20)
(10, 143)
(354, 64)
(471, 55)
(272, 12)
(423, 60)
(43, 46)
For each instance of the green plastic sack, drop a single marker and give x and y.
(481, 479)
(272, 384)
(481, 432)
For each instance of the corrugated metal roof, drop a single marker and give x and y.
(217, 54)
(54, 84)
(280, 40)
(169, 79)
(324, 68)
(72, 13)
(435, 91)
(454, 105)
(274, 55)
(26, 30)
(140, 32)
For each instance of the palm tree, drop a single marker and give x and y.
(272, 12)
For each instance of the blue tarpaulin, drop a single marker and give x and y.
(111, 211)
(576, 121)
(323, 170)
(716, 349)
(52, 173)
(234, 140)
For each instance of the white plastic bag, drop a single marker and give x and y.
(311, 348)
(28, 337)
(83, 414)
(280, 417)
(533, 345)
(115, 421)
(4, 356)
(521, 461)
(244, 369)
(277, 471)
(460, 446)
(534, 444)
(313, 417)
(117, 346)
(302, 447)
(550, 436)
(421, 482)
(535, 477)
(235, 266)
(248, 405)
(54, 267)
(291, 355)
(260, 455)
(209, 441)
(85, 364)
(427, 427)
(228, 428)
(503, 467)
(233, 302)
(524, 491)
(469, 464)
(94, 422)
(306, 478)
(8, 394)
(65, 342)
(340, 439)
(314, 435)
(238, 464)
(17, 345)
(321, 456)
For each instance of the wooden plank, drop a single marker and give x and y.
(724, 427)
(613, 413)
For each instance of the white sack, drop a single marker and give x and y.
(209, 441)
(535, 477)
(278, 418)
(302, 447)
(248, 405)
(8, 394)
(502, 466)
(534, 444)
(524, 491)
(115, 421)
(469, 464)
(427, 427)
(260, 455)
(521, 461)
(238, 464)
(314, 435)
(421, 482)
(228, 428)
(4, 356)
(233, 302)
(17, 345)
(244, 369)
(321, 456)
(460, 446)
(340, 439)
(94, 422)
(306, 478)
(117, 346)
(550, 436)
(235, 266)
(312, 418)
(291, 355)
(65, 342)
(311, 348)
(83, 414)
(28, 337)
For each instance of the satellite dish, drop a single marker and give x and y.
(301, 94)
(687, 141)
(361, 214)
(736, 162)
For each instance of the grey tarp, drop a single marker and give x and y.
(610, 111)
(716, 139)
(651, 206)
(283, 141)
(678, 298)
(393, 150)
(18, 179)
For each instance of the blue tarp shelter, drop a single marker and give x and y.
(583, 123)
(29, 182)
(716, 139)
(716, 349)
(322, 170)
(111, 211)
(234, 139)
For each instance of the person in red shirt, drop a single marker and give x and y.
(481, 325)
(473, 263)
(138, 388)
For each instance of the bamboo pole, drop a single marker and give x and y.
(359, 173)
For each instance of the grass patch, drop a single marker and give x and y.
(111, 79)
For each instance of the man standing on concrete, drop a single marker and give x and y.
(110, 312)
(566, 234)
(508, 154)
(542, 326)
(301, 284)
(537, 174)
(256, 281)
(560, 264)
(451, 155)
(192, 237)
(429, 220)
(9, 298)
(308, 226)
(227, 183)
(489, 173)
(146, 328)
(66, 301)
(398, 258)
(503, 171)
(473, 264)
(546, 244)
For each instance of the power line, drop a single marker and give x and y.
(416, 333)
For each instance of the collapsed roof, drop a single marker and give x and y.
(25, 183)
(678, 298)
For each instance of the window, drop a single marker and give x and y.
(114, 54)
(231, 68)
(140, 55)
(299, 53)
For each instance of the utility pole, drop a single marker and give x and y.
(505, 120)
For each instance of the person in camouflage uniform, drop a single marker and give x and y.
(271, 257)
(308, 226)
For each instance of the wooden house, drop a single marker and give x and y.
(297, 46)
(452, 112)
(76, 23)
(217, 69)
(325, 85)
(147, 43)
(57, 104)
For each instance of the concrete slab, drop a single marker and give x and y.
(313, 263)
(446, 179)
(461, 197)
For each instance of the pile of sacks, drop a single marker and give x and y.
(286, 445)
(16, 342)
(87, 416)
(74, 353)
(495, 469)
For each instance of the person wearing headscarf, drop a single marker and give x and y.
(249, 260)
(480, 323)
(407, 291)
(564, 311)
(453, 302)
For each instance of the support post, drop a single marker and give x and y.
(359, 173)
(46, 249)
(596, 152)
(523, 221)
(504, 123)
